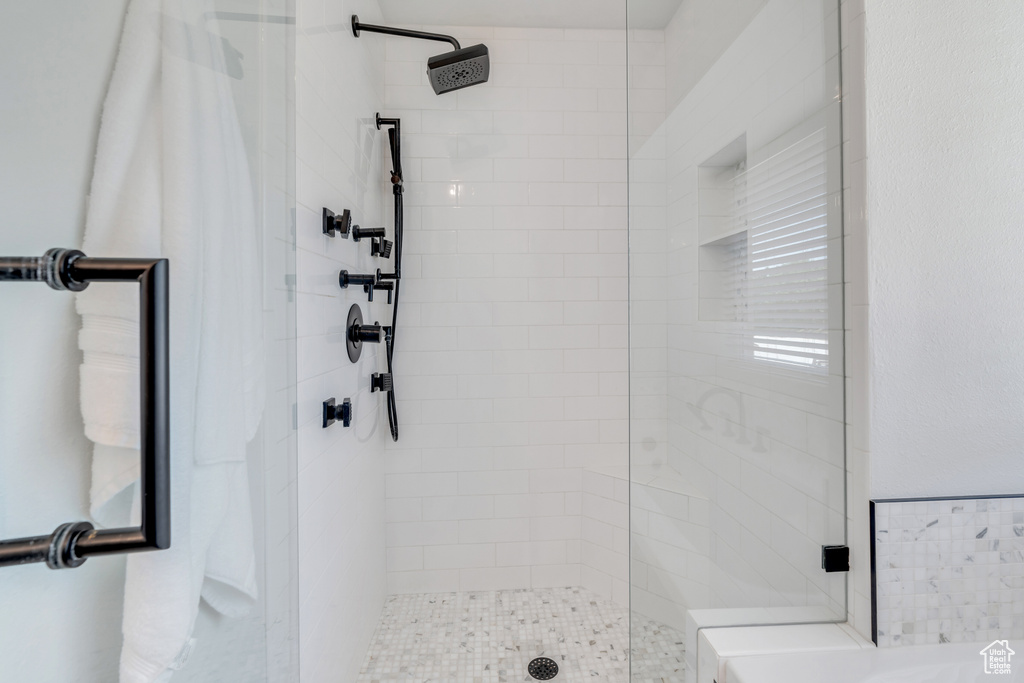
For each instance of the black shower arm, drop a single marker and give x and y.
(404, 32)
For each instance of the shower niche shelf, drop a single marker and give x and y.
(722, 233)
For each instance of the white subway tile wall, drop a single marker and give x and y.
(949, 571)
(511, 358)
(604, 542)
(670, 549)
(339, 86)
(649, 361)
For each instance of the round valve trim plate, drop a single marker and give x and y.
(355, 347)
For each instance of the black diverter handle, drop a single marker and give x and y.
(388, 287)
(366, 333)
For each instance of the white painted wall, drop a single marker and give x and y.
(55, 62)
(511, 362)
(945, 151)
(339, 87)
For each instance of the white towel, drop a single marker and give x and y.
(171, 179)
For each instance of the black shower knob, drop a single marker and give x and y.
(337, 413)
(357, 333)
(366, 333)
(346, 278)
(359, 233)
(335, 224)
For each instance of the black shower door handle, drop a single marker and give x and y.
(73, 543)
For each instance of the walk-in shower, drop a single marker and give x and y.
(619, 360)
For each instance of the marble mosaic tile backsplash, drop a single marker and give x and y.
(948, 570)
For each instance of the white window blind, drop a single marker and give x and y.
(785, 293)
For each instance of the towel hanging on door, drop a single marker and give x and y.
(171, 179)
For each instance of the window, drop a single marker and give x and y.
(764, 244)
(786, 311)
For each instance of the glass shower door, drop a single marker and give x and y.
(737, 464)
(56, 66)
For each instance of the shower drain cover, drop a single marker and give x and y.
(543, 669)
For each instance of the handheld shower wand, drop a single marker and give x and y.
(394, 126)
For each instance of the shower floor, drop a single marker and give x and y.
(491, 636)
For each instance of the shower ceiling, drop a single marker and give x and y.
(531, 13)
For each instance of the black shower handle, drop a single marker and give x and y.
(73, 543)
(368, 281)
(346, 278)
(335, 224)
(388, 287)
(337, 413)
(359, 233)
(366, 333)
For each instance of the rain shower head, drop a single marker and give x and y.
(459, 68)
(453, 70)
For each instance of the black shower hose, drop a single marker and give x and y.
(397, 189)
(390, 341)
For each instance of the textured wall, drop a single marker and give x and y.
(945, 150)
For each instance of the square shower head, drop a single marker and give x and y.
(459, 68)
